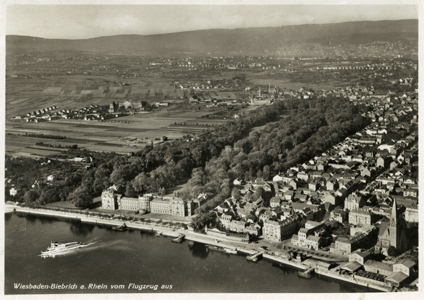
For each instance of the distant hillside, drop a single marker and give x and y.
(225, 41)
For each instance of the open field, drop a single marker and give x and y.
(121, 135)
(25, 95)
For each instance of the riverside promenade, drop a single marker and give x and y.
(190, 235)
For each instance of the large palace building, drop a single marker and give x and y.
(147, 203)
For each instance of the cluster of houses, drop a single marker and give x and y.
(34, 116)
(88, 113)
(358, 95)
(92, 112)
(214, 98)
(366, 181)
(393, 65)
(130, 105)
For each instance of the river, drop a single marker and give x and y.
(137, 262)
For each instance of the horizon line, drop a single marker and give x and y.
(176, 32)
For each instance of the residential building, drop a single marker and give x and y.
(275, 230)
(360, 256)
(360, 217)
(354, 201)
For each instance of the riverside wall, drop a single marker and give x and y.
(197, 237)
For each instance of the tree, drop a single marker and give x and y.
(391, 251)
(49, 195)
(266, 172)
(162, 191)
(236, 194)
(87, 180)
(81, 198)
(129, 190)
(30, 196)
(100, 184)
(140, 181)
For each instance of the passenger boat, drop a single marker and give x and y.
(123, 227)
(59, 248)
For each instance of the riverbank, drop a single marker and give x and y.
(247, 249)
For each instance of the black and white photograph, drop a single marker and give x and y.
(223, 148)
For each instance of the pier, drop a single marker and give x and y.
(254, 257)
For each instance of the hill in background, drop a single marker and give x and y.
(246, 41)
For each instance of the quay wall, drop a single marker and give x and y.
(204, 239)
(353, 279)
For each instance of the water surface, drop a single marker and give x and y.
(139, 262)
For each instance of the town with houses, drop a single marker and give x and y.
(368, 184)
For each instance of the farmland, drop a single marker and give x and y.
(121, 135)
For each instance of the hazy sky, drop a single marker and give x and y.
(86, 21)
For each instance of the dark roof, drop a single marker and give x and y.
(379, 265)
(397, 277)
(383, 227)
(351, 266)
(314, 238)
(362, 254)
(407, 263)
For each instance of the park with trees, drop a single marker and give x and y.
(261, 143)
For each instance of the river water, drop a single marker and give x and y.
(137, 262)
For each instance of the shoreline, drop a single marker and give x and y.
(200, 238)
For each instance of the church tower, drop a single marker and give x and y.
(388, 235)
(393, 226)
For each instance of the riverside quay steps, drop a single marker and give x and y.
(201, 238)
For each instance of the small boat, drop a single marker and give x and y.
(306, 274)
(179, 239)
(123, 227)
(159, 234)
(212, 247)
(231, 251)
(278, 265)
(252, 258)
